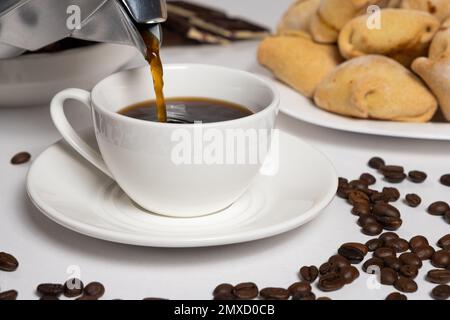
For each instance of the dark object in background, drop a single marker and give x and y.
(190, 23)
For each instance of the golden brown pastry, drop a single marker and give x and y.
(297, 60)
(438, 8)
(332, 15)
(404, 35)
(441, 41)
(376, 87)
(298, 16)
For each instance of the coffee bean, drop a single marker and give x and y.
(357, 196)
(409, 271)
(393, 263)
(384, 252)
(299, 288)
(325, 268)
(20, 158)
(392, 169)
(224, 288)
(413, 200)
(424, 252)
(438, 276)
(377, 197)
(390, 223)
(441, 292)
(388, 276)
(387, 236)
(73, 288)
(337, 261)
(358, 185)
(342, 181)
(349, 274)
(49, 298)
(394, 177)
(354, 252)
(417, 176)
(447, 216)
(445, 180)
(444, 242)
(309, 274)
(323, 298)
(385, 210)
(365, 219)
(372, 229)
(404, 284)
(343, 191)
(368, 179)
(8, 295)
(396, 296)
(373, 265)
(417, 242)
(374, 244)
(399, 245)
(438, 208)
(8, 262)
(224, 296)
(411, 259)
(50, 289)
(441, 259)
(94, 289)
(361, 208)
(376, 163)
(331, 282)
(246, 291)
(274, 294)
(309, 296)
(390, 194)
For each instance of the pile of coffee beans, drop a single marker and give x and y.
(72, 288)
(20, 158)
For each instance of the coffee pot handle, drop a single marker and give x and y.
(69, 134)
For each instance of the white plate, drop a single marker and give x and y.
(34, 79)
(72, 193)
(299, 107)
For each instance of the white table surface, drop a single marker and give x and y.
(45, 250)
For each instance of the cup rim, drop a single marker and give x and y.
(273, 105)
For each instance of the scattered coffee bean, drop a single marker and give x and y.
(50, 289)
(20, 158)
(374, 244)
(324, 268)
(441, 292)
(384, 209)
(424, 252)
(438, 208)
(331, 282)
(441, 259)
(390, 223)
(222, 289)
(337, 261)
(94, 289)
(417, 176)
(353, 252)
(8, 262)
(373, 265)
(399, 245)
(404, 284)
(323, 298)
(390, 194)
(417, 242)
(8, 295)
(299, 288)
(274, 294)
(393, 263)
(309, 296)
(368, 178)
(73, 288)
(388, 236)
(376, 163)
(394, 177)
(359, 185)
(384, 252)
(246, 291)
(409, 271)
(357, 196)
(309, 274)
(365, 219)
(372, 229)
(388, 276)
(392, 168)
(224, 296)
(438, 276)
(361, 208)
(413, 200)
(343, 191)
(349, 274)
(396, 296)
(444, 242)
(445, 180)
(411, 258)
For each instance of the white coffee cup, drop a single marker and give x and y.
(139, 155)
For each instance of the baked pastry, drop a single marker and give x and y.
(404, 35)
(438, 8)
(441, 41)
(298, 16)
(297, 60)
(376, 87)
(332, 15)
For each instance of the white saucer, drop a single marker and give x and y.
(77, 196)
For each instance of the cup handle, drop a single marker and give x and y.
(69, 134)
